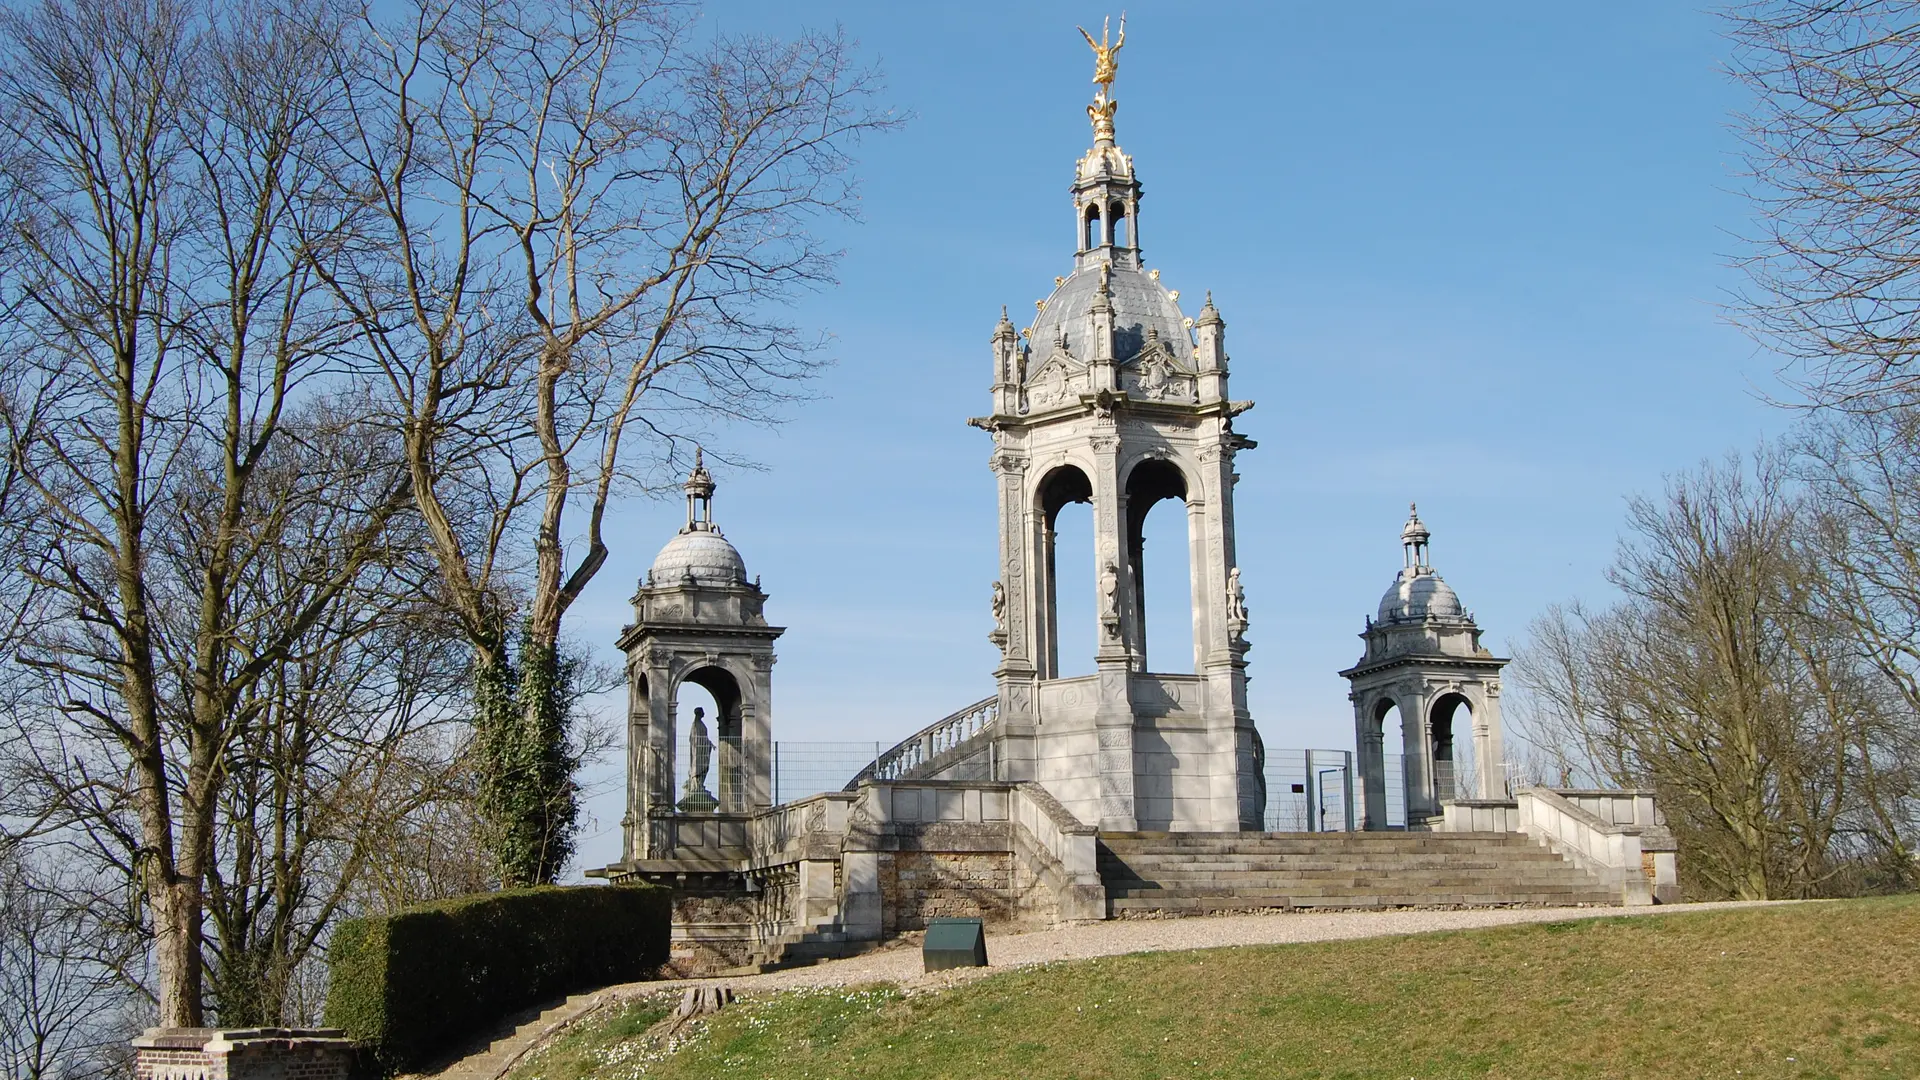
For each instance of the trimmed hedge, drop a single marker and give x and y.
(407, 984)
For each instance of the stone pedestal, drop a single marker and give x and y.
(243, 1054)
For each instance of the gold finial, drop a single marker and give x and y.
(1106, 63)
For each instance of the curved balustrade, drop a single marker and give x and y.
(923, 746)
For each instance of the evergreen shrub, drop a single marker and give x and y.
(406, 985)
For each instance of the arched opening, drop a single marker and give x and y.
(1164, 608)
(1451, 721)
(713, 696)
(1092, 229)
(1066, 508)
(1391, 725)
(1117, 215)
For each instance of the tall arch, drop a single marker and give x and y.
(1092, 234)
(725, 728)
(1062, 486)
(1450, 721)
(1149, 483)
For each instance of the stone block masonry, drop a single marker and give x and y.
(919, 886)
(243, 1054)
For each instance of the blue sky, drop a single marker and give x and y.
(1470, 255)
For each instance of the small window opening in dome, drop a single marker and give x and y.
(1118, 230)
(1093, 227)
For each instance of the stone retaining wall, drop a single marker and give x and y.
(916, 886)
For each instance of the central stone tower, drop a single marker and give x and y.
(1113, 398)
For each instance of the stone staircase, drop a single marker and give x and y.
(1193, 873)
(801, 948)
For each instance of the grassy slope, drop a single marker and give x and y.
(1806, 991)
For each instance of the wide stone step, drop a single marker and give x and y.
(1331, 862)
(1200, 872)
(1387, 884)
(1310, 847)
(1303, 862)
(1204, 904)
(1331, 888)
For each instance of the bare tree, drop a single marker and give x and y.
(1723, 682)
(1834, 149)
(353, 733)
(64, 1009)
(172, 195)
(593, 216)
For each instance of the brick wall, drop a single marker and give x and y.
(243, 1054)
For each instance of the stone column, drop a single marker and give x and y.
(1024, 584)
(1371, 761)
(1417, 764)
(1488, 758)
(1113, 716)
(633, 824)
(660, 758)
(756, 733)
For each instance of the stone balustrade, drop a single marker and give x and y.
(920, 749)
(1607, 849)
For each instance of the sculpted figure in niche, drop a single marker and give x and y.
(1110, 597)
(999, 635)
(699, 760)
(1236, 604)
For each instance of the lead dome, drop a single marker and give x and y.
(1142, 309)
(1419, 594)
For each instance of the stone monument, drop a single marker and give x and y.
(1113, 397)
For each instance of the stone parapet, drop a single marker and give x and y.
(243, 1054)
(1607, 849)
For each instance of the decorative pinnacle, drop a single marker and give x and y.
(699, 482)
(1106, 64)
(1414, 538)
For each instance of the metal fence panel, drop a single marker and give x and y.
(808, 768)
(1296, 801)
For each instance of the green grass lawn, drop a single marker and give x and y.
(1803, 991)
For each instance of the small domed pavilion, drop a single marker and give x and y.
(1424, 659)
(697, 619)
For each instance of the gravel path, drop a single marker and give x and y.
(899, 961)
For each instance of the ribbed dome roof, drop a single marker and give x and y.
(702, 554)
(1418, 593)
(1139, 304)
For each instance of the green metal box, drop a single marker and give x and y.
(953, 943)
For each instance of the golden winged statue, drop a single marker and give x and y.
(1105, 60)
